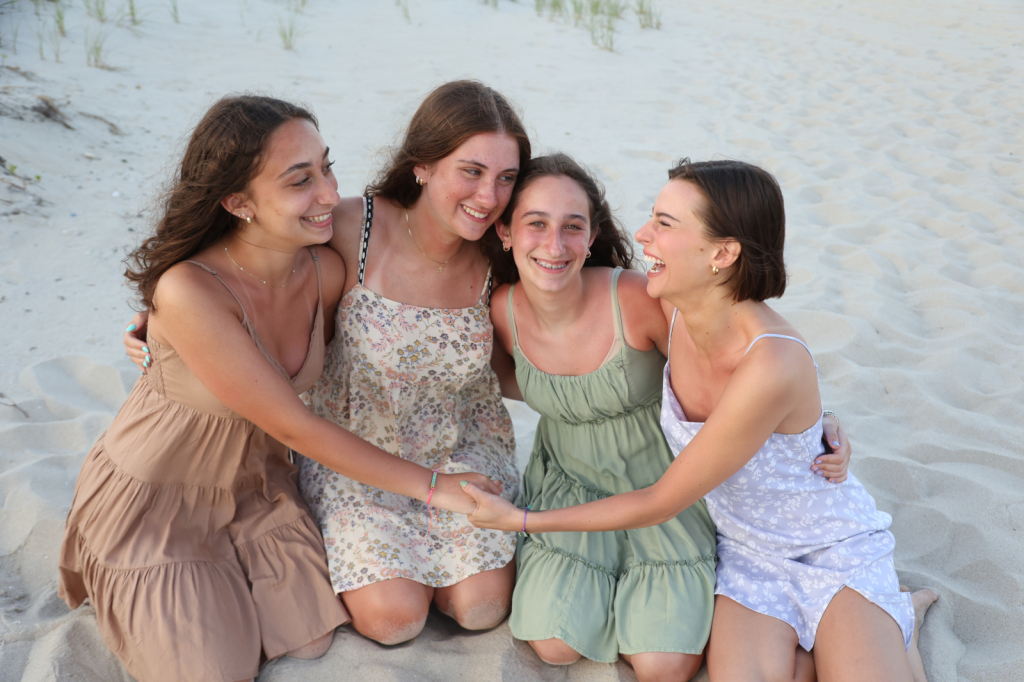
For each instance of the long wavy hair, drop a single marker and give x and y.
(450, 115)
(223, 155)
(612, 247)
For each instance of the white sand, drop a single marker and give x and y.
(894, 128)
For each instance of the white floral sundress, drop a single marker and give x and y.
(418, 383)
(788, 540)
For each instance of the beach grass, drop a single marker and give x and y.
(288, 28)
(647, 14)
(130, 14)
(403, 5)
(599, 16)
(97, 9)
(94, 45)
(174, 12)
(60, 18)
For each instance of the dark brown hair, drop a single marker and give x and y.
(223, 155)
(742, 202)
(612, 247)
(450, 115)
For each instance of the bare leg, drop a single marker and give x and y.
(555, 652)
(480, 601)
(390, 611)
(857, 640)
(315, 649)
(658, 666)
(750, 646)
(923, 600)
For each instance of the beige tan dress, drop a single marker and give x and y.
(188, 534)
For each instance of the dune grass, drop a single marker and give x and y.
(174, 12)
(403, 5)
(94, 45)
(599, 16)
(97, 9)
(288, 28)
(647, 14)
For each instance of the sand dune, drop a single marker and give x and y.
(894, 129)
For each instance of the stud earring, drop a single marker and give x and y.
(714, 269)
(247, 218)
(419, 181)
(505, 246)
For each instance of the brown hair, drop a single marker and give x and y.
(742, 202)
(612, 247)
(223, 155)
(450, 115)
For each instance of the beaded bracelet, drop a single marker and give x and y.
(830, 413)
(430, 515)
(526, 510)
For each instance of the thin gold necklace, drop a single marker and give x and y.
(409, 230)
(276, 286)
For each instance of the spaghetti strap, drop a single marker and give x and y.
(512, 318)
(672, 327)
(616, 310)
(364, 239)
(775, 336)
(485, 295)
(245, 315)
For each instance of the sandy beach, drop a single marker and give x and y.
(894, 128)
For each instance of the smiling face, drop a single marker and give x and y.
(290, 199)
(550, 232)
(467, 190)
(675, 244)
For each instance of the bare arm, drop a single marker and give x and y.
(202, 324)
(759, 397)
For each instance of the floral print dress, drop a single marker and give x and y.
(418, 383)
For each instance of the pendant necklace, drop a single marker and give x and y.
(409, 230)
(276, 286)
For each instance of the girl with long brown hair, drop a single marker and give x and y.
(187, 533)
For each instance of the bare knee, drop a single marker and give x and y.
(393, 628)
(483, 615)
(315, 649)
(555, 652)
(657, 666)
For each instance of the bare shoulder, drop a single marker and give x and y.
(186, 294)
(333, 269)
(499, 316)
(642, 318)
(348, 223)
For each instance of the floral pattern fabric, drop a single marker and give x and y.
(788, 540)
(416, 382)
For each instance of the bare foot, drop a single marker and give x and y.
(922, 600)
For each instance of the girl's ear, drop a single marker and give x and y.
(422, 171)
(726, 253)
(236, 204)
(504, 233)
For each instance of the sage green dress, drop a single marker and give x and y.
(606, 593)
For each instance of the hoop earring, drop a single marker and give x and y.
(506, 247)
(420, 181)
(588, 253)
(714, 269)
(248, 220)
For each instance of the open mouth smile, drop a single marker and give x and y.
(657, 265)
(552, 266)
(318, 220)
(473, 213)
